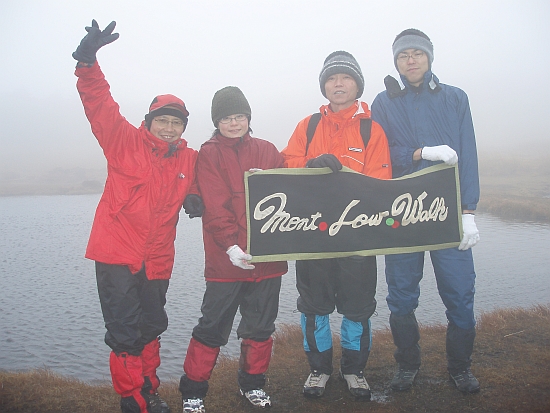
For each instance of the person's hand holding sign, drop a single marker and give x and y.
(326, 160)
(239, 258)
(439, 153)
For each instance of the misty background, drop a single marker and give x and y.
(272, 50)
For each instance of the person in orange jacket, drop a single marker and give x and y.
(347, 284)
(150, 174)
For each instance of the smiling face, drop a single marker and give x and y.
(413, 68)
(167, 128)
(341, 90)
(234, 128)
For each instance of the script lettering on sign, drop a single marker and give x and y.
(310, 213)
(282, 219)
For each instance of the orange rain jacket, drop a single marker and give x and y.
(135, 221)
(338, 133)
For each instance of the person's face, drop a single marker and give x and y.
(167, 128)
(234, 126)
(413, 63)
(341, 90)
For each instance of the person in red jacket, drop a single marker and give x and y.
(347, 284)
(231, 281)
(150, 171)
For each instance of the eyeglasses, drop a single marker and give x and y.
(165, 122)
(238, 118)
(404, 57)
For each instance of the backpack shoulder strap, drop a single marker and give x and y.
(311, 127)
(365, 128)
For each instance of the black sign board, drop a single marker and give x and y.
(314, 213)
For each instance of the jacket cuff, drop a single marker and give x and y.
(82, 64)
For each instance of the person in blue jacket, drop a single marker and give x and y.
(428, 122)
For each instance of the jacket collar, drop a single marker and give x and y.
(400, 87)
(358, 110)
(220, 139)
(160, 147)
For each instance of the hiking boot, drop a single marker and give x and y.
(403, 379)
(257, 397)
(357, 385)
(193, 406)
(465, 381)
(156, 404)
(315, 384)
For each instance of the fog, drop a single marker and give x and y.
(272, 50)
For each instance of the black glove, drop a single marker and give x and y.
(325, 160)
(193, 206)
(93, 41)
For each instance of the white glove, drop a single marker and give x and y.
(239, 258)
(471, 233)
(440, 153)
(252, 170)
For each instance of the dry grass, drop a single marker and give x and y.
(42, 391)
(511, 360)
(515, 188)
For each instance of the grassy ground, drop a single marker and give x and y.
(511, 360)
(515, 188)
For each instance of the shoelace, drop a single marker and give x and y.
(464, 376)
(314, 379)
(257, 397)
(362, 382)
(195, 404)
(258, 393)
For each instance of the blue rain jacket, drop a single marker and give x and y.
(430, 115)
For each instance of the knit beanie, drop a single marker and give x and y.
(413, 39)
(341, 62)
(166, 105)
(229, 101)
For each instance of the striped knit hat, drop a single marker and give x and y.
(341, 62)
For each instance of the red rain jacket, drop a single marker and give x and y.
(135, 221)
(221, 166)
